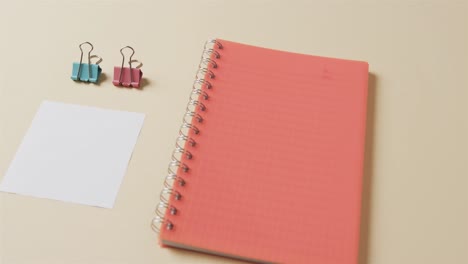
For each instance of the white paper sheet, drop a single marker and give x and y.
(75, 154)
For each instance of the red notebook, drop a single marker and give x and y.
(268, 164)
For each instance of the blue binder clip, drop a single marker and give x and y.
(86, 72)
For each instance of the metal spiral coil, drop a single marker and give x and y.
(210, 54)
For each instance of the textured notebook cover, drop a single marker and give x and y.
(277, 169)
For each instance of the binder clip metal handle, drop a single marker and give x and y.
(93, 70)
(129, 63)
(131, 76)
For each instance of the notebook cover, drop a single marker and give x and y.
(276, 172)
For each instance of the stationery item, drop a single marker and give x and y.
(74, 153)
(268, 164)
(128, 76)
(86, 72)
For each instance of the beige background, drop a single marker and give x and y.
(415, 208)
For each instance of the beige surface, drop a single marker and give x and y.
(416, 171)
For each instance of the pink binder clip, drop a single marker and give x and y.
(128, 76)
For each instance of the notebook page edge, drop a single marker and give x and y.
(212, 252)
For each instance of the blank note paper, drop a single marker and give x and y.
(75, 154)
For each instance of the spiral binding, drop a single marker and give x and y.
(201, 84)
